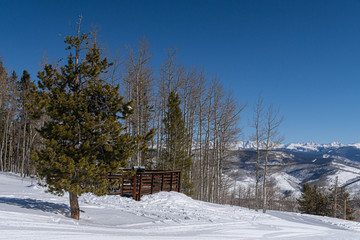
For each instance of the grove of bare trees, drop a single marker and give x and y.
(18, 136)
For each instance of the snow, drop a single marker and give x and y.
(345, 174)
(303, 147)
(283, 182)
(245, 182)
(27, 212)
(356, 145)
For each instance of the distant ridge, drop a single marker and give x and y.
(310, 146)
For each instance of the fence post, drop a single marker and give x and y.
(152, 183)
(179, 183)
(162, 181)
(140, 186)
(171, 181)
(122, 185)
(134, 186)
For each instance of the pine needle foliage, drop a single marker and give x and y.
(175, 156)
(83, 135)
(313, 201)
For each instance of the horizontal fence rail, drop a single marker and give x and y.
(144, 183)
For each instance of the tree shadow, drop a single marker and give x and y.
(28, 203)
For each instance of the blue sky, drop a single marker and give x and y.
(302, 56)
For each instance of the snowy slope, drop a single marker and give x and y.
(27, 212)
(300, 163)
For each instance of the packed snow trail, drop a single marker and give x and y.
(27, 212)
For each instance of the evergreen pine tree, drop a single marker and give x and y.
(313, 201)
(306, 201)
(175, 156)
(83, 135)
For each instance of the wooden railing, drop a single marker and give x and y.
(145, 183)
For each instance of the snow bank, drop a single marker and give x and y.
(27, 212)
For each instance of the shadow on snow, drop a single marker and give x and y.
(37, 205)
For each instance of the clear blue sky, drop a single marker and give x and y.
(303, 56)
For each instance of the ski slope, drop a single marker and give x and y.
(27, 212)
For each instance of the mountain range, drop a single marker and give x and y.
(292, 165)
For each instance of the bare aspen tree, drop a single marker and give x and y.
(9, 108)
(208, 157)
(258, 138)
(3, 110)
(272, 123)
(190, 88)
(3, 84)
(168, 82)
(228, 132)
(248, 197)
(114, 75)
(220, 121)
(198, 169)
(218, 95)
(139, 84)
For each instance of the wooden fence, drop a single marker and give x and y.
(145, 183)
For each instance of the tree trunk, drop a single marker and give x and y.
(23, 151)
(336, 193)
(74, 206)
(259, 135)
(264, 180)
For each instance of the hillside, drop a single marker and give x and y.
(27, 212)
(294, 164)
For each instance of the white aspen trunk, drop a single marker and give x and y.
(18, 161)
(265, 175)
(28, 151)
(201, 167)
(207, 149)
(6, 139)
(23, 150)
(1, 151)
(10, 161)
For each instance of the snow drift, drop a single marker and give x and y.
(27, 212)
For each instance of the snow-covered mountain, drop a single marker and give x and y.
(301, 162)
(310, 146)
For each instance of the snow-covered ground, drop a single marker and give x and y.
(27, 212)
